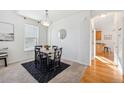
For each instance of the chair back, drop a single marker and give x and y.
(37, 50)
(37, 53)
(57, 54)
(38, 46)
(54, 47)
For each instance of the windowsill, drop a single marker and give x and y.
(28, 50)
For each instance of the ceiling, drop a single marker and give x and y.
(105, 23)
(54, 15)
(95, 13)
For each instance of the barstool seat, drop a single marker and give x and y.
(3, 56)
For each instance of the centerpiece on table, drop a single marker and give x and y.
(47, 47)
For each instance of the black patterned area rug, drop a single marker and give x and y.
(43, 77)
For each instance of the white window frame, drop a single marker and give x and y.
(30, 26)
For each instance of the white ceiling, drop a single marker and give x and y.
(95, 13)
(54, 15)
(104, 23)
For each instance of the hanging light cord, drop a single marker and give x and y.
(46, 14)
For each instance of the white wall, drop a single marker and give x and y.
(76, 46)
(43, 38)
(123, 42)
(16, 48)
(118, 39)
(123, 48)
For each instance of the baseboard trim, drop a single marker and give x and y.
(23, 60)
(75, 61)
(70, 60)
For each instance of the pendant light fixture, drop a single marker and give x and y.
(46, 21)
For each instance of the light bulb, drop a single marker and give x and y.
(45, 23)
(103, 15)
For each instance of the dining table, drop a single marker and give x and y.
(49, 52)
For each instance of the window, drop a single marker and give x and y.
(31, 37)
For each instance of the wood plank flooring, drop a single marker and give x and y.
(100, 72)
(108, 55)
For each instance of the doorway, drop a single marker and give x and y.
(107, 39)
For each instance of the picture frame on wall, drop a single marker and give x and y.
(6, 31)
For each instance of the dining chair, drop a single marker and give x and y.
(38, 46)
(38, 56)
(57, 58)
(41, 60)
(54, 47)
(37, 51)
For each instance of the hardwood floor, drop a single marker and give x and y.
(108, 55)
(100, 72)
(100, 52)
(123, 78)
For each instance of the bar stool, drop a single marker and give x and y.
(4, 55)
(107, 49)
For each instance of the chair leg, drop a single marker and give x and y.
(5, 62)
(35, 64)
(59, 64)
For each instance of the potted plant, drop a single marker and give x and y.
(47, 47)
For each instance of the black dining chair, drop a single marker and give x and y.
(57, 58)
(39, 56)
(42, 61)
(37, 51)
(54, 47)
(38, 46)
